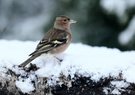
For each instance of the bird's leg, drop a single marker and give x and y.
(59, 60)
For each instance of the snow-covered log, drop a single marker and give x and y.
(85, 70)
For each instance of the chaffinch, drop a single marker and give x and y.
(55, 41)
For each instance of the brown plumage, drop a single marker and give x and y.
(55, 41)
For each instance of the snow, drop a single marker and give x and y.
(116, 6)
(25, 86)
(118, 86)
(126, 36)
(78, 58)
(119, 7)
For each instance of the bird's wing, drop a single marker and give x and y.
(51, 40)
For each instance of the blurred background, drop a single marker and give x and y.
(109, 23)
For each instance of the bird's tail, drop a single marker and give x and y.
(28, 60)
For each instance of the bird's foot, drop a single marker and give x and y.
(59, 60)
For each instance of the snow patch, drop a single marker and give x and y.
(126, 36)
(78, 58)
(118, 7)
(26, 86)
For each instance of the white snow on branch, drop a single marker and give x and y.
(115, 6)
(25, 86)
(118, 7)
(126, 36)
(78, 58)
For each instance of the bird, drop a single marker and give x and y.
(55, 41)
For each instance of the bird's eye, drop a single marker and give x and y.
(65, 19)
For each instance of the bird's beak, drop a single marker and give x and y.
(72, 21)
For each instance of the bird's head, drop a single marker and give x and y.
(63, 22)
